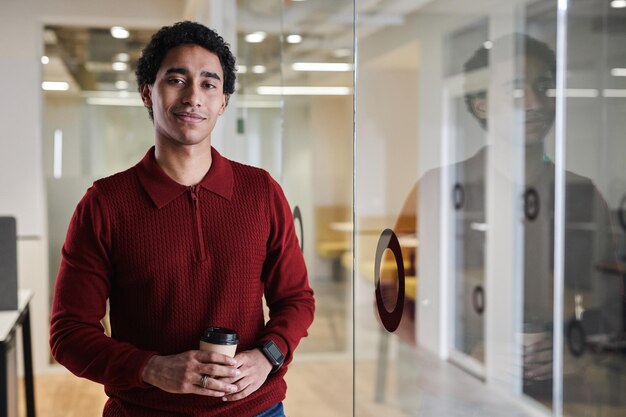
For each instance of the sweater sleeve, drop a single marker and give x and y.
(77, 338)
(287, 292)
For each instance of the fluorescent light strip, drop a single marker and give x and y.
(321, 66)
(614, 92)
(114, 101)
(55, 85)
(303, 91)
(618, 72)
(576, 93)
(618, 4)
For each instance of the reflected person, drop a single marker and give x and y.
(184, 240)
(526, 101)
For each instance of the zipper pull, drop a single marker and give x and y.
(194, 195)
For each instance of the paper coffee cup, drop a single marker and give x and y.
(220, 340)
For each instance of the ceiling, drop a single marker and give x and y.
(84, 57)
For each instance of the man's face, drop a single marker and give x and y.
(526, 94)
(187, 96)
(538, 107)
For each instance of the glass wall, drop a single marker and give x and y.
(489, 274)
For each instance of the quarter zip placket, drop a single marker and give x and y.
(193, 190)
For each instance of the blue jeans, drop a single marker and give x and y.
(274, 411)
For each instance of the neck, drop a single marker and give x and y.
(187, 165)
(534, 159)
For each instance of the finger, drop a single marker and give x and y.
(539, 373)
(214, 357)
(210, 383)
(232, 380)
(540, 345)
(241, 394)
(207, 392)
(218, 371)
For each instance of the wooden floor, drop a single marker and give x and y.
(311, 393)
(315, 388)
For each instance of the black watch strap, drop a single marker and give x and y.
(273, 354)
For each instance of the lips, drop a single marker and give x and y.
(189, 117)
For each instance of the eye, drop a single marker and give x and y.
(208, 86)
(175, 81)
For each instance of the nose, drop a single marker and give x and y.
(192, 96)
(532, 99)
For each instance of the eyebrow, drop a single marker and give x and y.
(185, 71)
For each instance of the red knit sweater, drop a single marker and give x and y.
(174, 260)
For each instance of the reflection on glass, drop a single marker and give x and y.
(594, 352)
(496, 134)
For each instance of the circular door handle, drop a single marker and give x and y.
(478, 299)
(390, 319)
(531, 204)
(297, 215)
(458, 196)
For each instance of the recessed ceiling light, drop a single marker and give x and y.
(119, 32)
(55, 85)
(45, 60)
(122, 57)
(294, 38)
(618, 4)
(242, 69)
(487, 44)
(321, 66)
(258, 69)
(256, 37)
(120, 66)
(121, 85)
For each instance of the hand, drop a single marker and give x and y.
(181, 373)
(254, 368)
(538, 360)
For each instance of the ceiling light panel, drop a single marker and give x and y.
(256, 37)
(322, 66)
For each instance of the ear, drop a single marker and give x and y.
(224, 104)
(479, 107)
(146, 95)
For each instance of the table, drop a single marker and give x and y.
(10, 321)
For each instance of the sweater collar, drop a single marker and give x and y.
(162, 189)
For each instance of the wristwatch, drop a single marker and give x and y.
(273, 354)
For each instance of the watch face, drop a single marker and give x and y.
(275, 352)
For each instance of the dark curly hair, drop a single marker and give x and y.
(184, 33)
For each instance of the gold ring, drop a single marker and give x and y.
(204, 380)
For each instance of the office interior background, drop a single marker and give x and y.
(437, 247)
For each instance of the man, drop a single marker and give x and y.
(184, 240)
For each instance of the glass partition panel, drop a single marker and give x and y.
(295, 107)
(594, 352)
(94, 123)
(454, 211)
